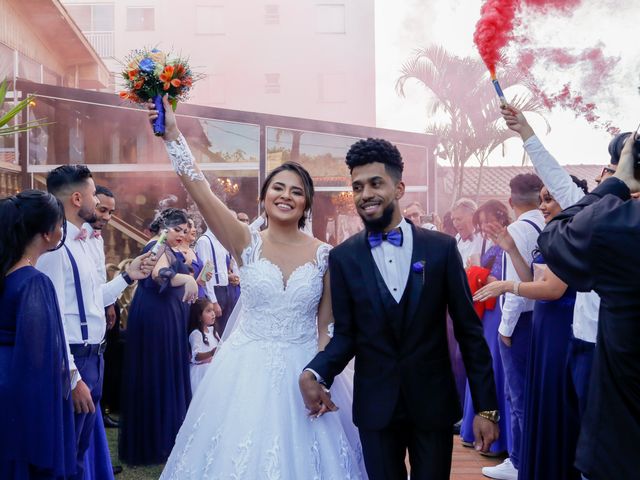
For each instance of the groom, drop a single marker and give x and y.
(391, 287)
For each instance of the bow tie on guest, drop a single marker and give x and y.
(82, 235)
(394, 237)
(96, 234)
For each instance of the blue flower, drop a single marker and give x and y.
(147, 65)
(418, 267)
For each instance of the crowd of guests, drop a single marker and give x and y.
(58, 308)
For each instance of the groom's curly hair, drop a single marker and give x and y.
(378, 150)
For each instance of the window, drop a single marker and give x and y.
(93, 18)
(272, 83)
(272, 14)
(210, 20)
(331, 87)
(330, 18)
(140, 18)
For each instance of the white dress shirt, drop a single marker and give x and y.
(394, 263)
(566, 193)
(470, 246)
(96, 295)
(96, 246)
(526, 239)
(204, 252)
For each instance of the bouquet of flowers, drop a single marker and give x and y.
(150, 74)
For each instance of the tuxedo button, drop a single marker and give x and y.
(395, 289)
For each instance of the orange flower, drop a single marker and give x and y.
(176, 83)
(180, 70)
(133, 74)
(166, 76)
(138, 84)
(124, 95)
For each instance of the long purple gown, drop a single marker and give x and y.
(156, 381)
(491, 260)
(37, 435)
(550, 430)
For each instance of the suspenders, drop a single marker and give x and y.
(80, 299)
(215, 262)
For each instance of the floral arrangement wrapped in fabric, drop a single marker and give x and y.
(150, 74)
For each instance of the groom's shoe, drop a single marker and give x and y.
(116, 469)
(504, 471)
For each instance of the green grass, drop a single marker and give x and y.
(130, 473)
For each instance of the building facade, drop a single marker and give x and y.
(301, 58)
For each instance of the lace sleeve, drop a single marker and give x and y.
(322, 257)
(182, 159)
(251, 253)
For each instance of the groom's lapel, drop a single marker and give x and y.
(417, 280)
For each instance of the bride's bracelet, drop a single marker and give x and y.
(182, 159)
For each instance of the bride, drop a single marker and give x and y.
(247, 419)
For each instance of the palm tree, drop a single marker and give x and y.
(467, 104)
(6, 129)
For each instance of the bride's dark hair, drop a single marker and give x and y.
(307, 184)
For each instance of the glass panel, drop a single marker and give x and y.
(7, 62)
(51, 77)
(29, 69)
(140, 194)
(103, 18)
(122, 136)
(334, 217)
(320, 153)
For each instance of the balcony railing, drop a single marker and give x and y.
(102, 42)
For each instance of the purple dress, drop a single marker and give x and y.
(156, 382)
(550, 431)
(37, 435)
(491, 260)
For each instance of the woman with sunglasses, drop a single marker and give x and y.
(37, 439)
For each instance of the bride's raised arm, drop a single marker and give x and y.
(233, 234)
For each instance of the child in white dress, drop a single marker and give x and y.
(203, 339)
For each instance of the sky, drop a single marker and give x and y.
(404, 25)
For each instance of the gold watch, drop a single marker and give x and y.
(491, 415)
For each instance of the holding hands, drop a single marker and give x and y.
(316, 396)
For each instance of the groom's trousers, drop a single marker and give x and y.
(385, 450)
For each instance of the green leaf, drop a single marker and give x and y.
(3, 91)
(6, 118)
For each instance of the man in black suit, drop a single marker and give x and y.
(595, 245)
(391, 286)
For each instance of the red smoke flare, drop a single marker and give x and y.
(571, 100)
(497, 18)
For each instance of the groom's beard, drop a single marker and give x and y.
(380, 224)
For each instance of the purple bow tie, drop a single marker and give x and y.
(82, 235)
(96, 234)
(394, 237)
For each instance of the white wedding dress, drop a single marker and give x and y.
(247, 419)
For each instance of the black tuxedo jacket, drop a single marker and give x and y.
(411, 366)
(595, 245)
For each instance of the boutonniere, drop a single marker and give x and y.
(418, 267)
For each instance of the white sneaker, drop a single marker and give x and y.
(504, 471)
